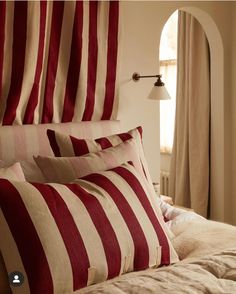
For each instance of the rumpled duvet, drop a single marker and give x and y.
(207, 252)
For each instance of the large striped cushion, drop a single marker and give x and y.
(63, 237)
(67, 145)
(67, 169)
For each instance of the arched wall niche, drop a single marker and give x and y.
(217, 181)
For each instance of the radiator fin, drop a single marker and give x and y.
(164, 183)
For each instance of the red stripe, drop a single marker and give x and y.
(141, 252)
(2, 38)
(70, 235)
(125, 136)
(140, 130)
(18, 60)
(80, 146)
(104, 229)
(92, 61)
(33, 98)
(54, 45)
(74, 65)
(111, 59)
(53, 143)
(26, 238)
(104, 143)
(138, 190)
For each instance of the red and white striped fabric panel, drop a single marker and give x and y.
(58, 61)
(53, 220)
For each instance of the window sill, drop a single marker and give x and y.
(166, 152)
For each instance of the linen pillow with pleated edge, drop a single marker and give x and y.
(66, 169)
(12, 172)
(41, 222)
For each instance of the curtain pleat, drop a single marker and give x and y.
(189, 171)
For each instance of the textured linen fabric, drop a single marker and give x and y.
(207, 251)
(58, 61)
(67, 145)
(21, 143)
(66, 169)
(65, 237)
(13, 172)
(190, 160)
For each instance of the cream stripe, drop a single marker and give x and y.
(93, 146)
(8, 146)
(87, 230)
(103, 22)
(117, 222)
(13, 260)
(64, 144)
(63, 60)
(7, 59)
(138, 210)
(119, 60)
(115, 140)
(41, 217)
(39, 108)
(82, 84)
(32, 41)
(32, 143)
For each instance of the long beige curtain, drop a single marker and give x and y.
(189, 171)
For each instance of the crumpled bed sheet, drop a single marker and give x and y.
(207, 252)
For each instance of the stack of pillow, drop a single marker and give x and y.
(96, 217)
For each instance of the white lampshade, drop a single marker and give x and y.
(159, 93)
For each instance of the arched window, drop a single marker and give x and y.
(168, 69)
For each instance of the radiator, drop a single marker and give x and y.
(164, 183)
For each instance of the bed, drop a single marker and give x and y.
(201, 253)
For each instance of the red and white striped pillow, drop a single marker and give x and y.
(63, 237)
(66, 145)
(67, 169)
(13, 172)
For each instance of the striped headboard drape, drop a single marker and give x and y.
(58, 61)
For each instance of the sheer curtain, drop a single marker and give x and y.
(168, 69)
(189, 171)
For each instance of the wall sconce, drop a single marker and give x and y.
(158, 91)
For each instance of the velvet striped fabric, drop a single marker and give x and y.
(100, 226)
(58, 61)
(67, 145)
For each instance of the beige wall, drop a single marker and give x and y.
(142, 23)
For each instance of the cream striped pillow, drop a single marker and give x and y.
(63, 237)
(67, 169)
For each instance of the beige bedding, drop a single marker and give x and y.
(208, 265)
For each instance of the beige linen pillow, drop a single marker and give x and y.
(67, 169)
